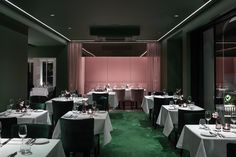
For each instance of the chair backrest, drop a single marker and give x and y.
(158, 102)
(77, 135)
(60, 108)
(34, 131)
(38, 99)
(158, 93)
(6, 126)
(101, 100)
(137, 95)
(120, 93)
(189, 117)
(38, 102)
(231, 149)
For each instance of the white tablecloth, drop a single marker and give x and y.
(52, 149)
(148, 101)
(202, 146)
(31, 117)
(102, 124)
(76, 100)
(41, 91)
(112, 98)
(168, 116)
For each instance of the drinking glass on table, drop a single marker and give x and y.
(202, 123)
(11, 103)
(233, 119)
(27, 105)
(208, 116)
(22, 132)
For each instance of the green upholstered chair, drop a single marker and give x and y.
(34, 131)
(101, 100)
(231, 149)
(7, 123)
(38, 102)
(78, 136)
(60, 108)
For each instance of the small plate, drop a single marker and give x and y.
(41, 141)
(207, 134)
(39, 110)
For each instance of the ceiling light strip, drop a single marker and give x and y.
(88, 52)
(190, 16)
(143, 54)
(50, 28)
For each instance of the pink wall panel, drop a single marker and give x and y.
(117, 71)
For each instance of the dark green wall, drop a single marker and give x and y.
(174, 61)
(58, 52)
(13, 65)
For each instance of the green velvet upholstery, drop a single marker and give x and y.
(38, 102)
(7, 123)
(101, 100)
(231, 149)
(34, 131)
(78, 135)
(60, 108)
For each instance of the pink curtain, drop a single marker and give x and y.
(76, 67)
(153, 56)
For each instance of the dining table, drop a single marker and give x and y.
(41, 91)
(168, 116)
(102, 123)
(40, 148)
(76, 100)
(148, 102)
(29, 117)
(205, 141)
(112, 98)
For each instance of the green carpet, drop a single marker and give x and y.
(133, 136)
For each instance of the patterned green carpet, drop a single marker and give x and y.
(133, 136)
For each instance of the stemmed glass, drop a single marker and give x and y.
(22, 132)
(233, 118)
(27, 105)
(11, 103)
(208, 116)
(189, 99)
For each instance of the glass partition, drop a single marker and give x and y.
(225, 61)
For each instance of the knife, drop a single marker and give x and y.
(8, 140)
(12, 155)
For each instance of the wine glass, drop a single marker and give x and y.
(202, 123)
(233, 118)
(94, 106)
(208, 116)
(11, 103)
(189, 99)
(22, 132)
(27, 105)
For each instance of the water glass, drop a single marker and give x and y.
(22, 132)
(202, 123)
(208, 116)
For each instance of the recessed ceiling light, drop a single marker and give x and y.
(69, 28)
(52, 15)
(176, 16)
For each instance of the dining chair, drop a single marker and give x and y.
(137, 97)
(120, 93)
(6, 126)
(34, 130)
(78, 136)
(231, 149)
(38, 102)
(60, 108)
(101, 100)
(187, 117)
